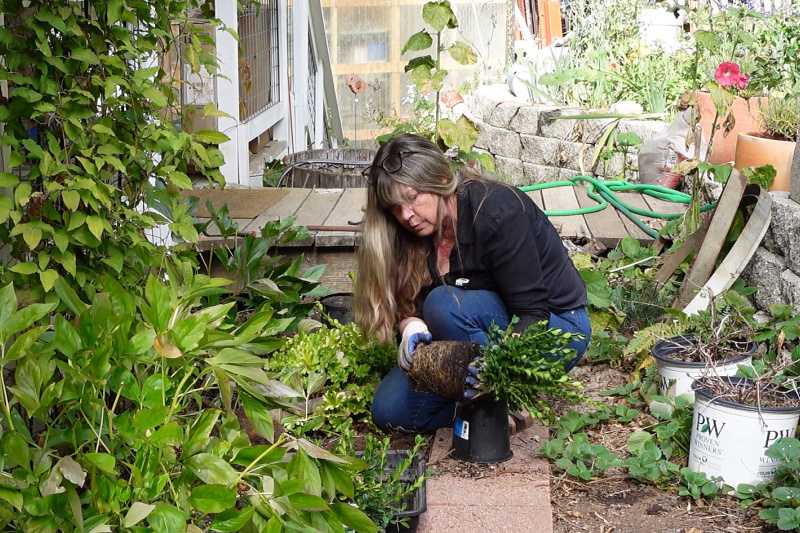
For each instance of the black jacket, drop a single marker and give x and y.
(507, 245)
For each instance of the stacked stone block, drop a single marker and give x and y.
(530, 145)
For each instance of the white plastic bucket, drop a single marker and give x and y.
(675, 377)
(729, 439)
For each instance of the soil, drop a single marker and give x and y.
(440, 367)
(614, 502)
(705, 352)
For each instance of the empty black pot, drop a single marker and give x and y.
(338, 306)
(480, 432)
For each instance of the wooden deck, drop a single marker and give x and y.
(339, 210)
(334, 215)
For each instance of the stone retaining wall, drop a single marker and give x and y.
(530, 146)
(775, 268)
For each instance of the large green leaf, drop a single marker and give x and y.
(419, 41)
(439, 15)
(463, 133)
(166, 518)
(232, 520)
(212, 469)
(211, 137)
(103, 461)
(463, 53)
(259, 416)
(200, 433)
(354, 518)
(213, 498)
(16, 449)
(137, 512)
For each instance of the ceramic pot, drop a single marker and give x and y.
(754, 150)
(746, 113)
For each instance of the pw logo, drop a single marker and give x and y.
(709, 425)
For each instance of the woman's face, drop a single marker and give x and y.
(420, 213)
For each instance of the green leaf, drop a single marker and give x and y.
(200, 433)
(212, 498)
(259, 416)
(463, 53)
(170, 434)
(15, 159)
(210, 137)
(418, 41)
(24, 318)
(212, 469)
(14, 497)
(709, 40)
(307, 502)
(24, 342)
(25, 269)
(438, 15)
(95, 224)
(85, 55)
(71, 199)
(166, 518)
(638, 439)
(103, 461)
(155, 95)
(138, 512)
(7, 179)
(145, 419)
(48, 278)
(232, 520)
(354, 518)
(15, 448)
(463, 134)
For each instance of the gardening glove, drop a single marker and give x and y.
(475, 388)
(416, 332)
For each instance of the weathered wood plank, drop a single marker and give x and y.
(635, 200)
(605, 225)
(563, 199)
(285, 207)
(536, 196)
(346, 210)
(658, 205)
(315, 210)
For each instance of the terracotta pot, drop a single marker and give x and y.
(753, 150)
(746, 113)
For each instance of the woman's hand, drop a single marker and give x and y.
(414, 333)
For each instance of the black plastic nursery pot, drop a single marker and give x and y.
(338, 306)
(480, 431)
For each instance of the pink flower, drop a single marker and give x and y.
(742, 81)
(728, 75)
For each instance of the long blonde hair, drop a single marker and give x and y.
(392, 268)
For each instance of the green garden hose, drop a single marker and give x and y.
(603, 193)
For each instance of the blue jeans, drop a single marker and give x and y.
(452, 313)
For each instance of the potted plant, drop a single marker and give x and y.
(774, 143)
(735, 420)
(684, 358)
(515, 371)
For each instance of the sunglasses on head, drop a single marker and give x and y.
(390, 164)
